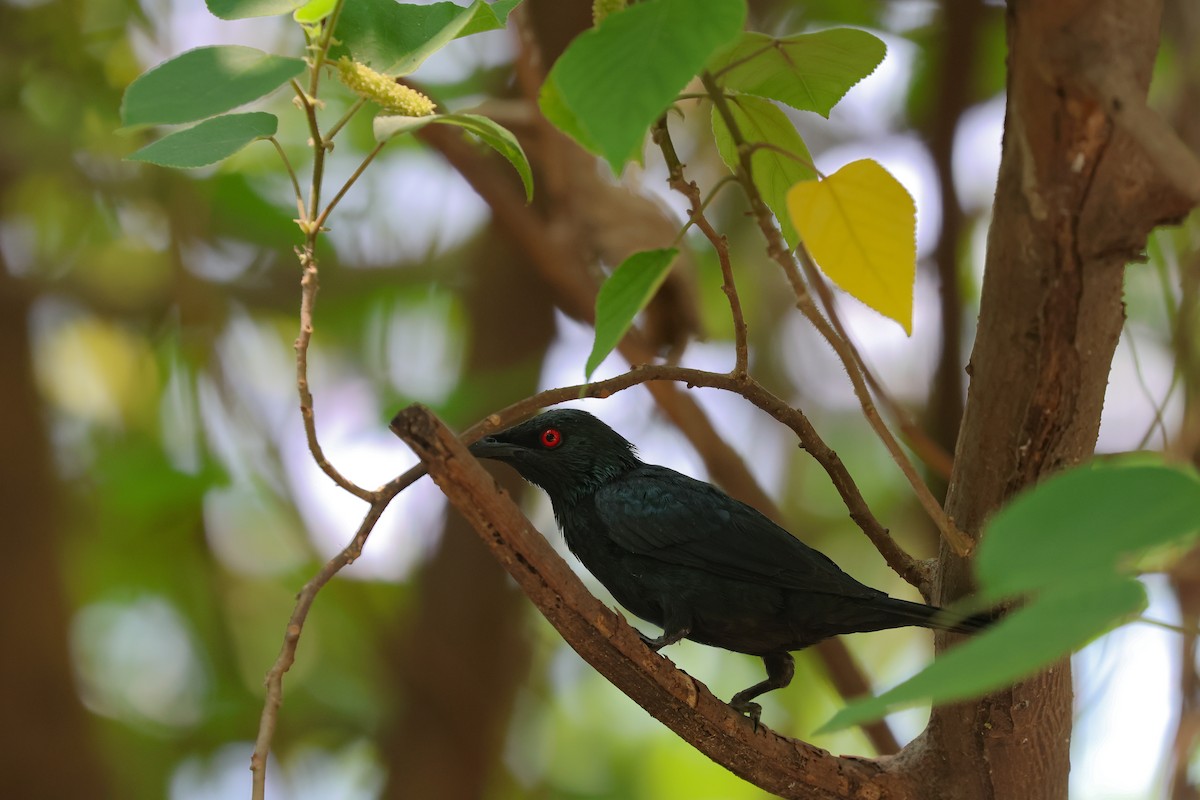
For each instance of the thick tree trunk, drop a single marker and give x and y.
(1074, 203)
(46, 742)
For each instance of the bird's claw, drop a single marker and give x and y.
(749, 709)
(653, 643)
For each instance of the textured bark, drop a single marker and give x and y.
(1074, 203)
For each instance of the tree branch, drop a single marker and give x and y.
(1126, 104)
(911, 570)
(787, 767)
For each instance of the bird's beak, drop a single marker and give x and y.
(491, 447)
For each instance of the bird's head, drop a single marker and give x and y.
(565, 451)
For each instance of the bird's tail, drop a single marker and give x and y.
(971, 624)
(942, 619)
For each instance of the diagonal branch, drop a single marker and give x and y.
(787, 767)
(1126, 104)
(291, 639)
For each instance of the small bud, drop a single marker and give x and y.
(379, 88)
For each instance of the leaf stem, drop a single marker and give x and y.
(341, 123)
(287, 165)
(728, 180)
(783, 151)
(346, 186)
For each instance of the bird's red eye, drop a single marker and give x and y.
(551, 438)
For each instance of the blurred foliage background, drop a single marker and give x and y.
(163, 508)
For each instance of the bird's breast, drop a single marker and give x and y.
(629, 578)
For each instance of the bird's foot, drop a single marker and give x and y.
(659, 642)
(655, 643)
(748, 709)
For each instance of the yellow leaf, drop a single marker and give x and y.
(860, 226)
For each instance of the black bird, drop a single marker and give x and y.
(689, 558)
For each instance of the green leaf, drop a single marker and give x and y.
(616, 79)
(240, 9)
(1095, 519)
(490, 133)
(208, 142)
(623, 295)
(761, 122)
(1068, 545)
(314, 11)
(396, 38)
(1041, 633)
(204, 82)
(809, 71)
(490, 17)
(555, 110)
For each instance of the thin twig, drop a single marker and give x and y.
(926, 449)
(1158, 421)
(308, 294)
(963, 24)
(379, 500)
(1169, 626)
(778, 251)
(903, 564)
(291, 639)
(929, 451)
(728, 180)
(689, 189)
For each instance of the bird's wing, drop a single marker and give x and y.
(663, 514)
